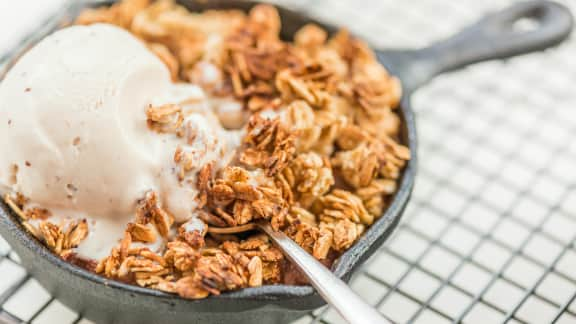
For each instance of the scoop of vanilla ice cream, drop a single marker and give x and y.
(73, 122)
(74, 137)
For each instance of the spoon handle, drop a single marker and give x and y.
(334, 291)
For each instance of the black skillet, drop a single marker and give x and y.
(107, 301)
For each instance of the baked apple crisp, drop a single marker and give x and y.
(317, 154)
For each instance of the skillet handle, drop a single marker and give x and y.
(495, 36)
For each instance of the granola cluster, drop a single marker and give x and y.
(319, 159)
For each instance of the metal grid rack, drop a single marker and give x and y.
(490, 233)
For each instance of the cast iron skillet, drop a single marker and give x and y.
(108, 301)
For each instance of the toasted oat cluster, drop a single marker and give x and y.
(319, 159)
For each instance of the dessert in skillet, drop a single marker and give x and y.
(124, 139)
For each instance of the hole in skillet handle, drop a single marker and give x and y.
(521, 28)
(549, 23)
(525, 24)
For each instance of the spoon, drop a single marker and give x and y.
(334, 291)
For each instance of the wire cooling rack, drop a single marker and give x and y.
(489, 236)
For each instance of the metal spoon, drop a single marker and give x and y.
(334, 291)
